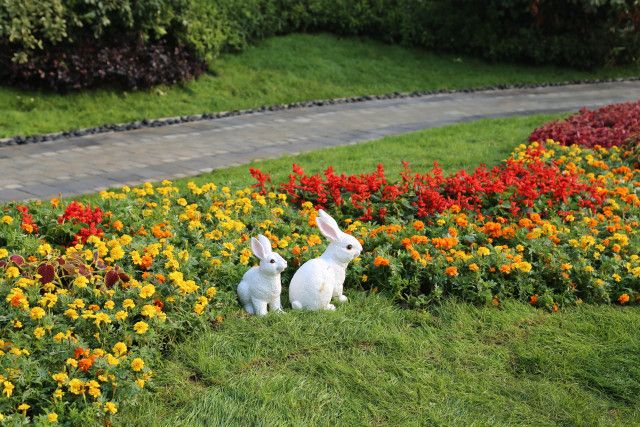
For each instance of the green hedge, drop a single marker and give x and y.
(579, 33)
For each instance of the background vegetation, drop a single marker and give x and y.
(39, 37)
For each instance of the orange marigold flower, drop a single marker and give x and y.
(533, 299)
(85, 364)
(474, 267)
(146, 262)
(380, 261)
(117, 225)
(623, 299)
(418, 225)
(451, 271)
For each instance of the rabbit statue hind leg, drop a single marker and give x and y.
(245, 299)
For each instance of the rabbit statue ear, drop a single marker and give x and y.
(257, 248)
(328, 226)
(266, 244)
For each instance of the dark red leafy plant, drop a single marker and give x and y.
(613, 125)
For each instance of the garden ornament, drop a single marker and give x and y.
(260, 286)
(320, 279)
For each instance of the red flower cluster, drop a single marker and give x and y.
(608, 126)
(89, 219)
(511, 187)
(27, 220)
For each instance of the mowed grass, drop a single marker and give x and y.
(463, 145)
(372, 363)
(279, 70)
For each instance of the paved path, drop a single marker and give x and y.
(95, 162)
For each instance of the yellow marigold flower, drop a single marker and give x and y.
(3, 253)
(483, 251)
(52, 417)
(112, 360)
(198, 308)
(12, 272)
(147, 291)
(149, 311)
(6, 219)
(60, 377)
(73, 314)
(81, 282)
(141, 327)
(102, 318)
(38, 332)
(76, 386)
(116, 252)
(23, 407)
(140, 382)
(524, 266)
(128, 303)
(44, 249)
(110, 407)
(109, 305)
(137, 364)
(72, 362)
(58, 394)
(121, 315)
(37, 313)
(8, 388)
(211, 292)
(589, 269)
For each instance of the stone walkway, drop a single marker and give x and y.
(95, 162)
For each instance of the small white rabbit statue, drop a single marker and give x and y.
(260, 286)
(320, 279)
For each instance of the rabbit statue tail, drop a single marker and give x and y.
(296, 305)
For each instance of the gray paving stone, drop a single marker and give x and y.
(83, 164)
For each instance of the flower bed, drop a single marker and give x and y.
(90, 294)
(612, 125)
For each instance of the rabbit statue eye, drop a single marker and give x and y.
(349, 247)
(273, 261)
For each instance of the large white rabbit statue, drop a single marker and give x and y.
(320, 279)
(260, 286)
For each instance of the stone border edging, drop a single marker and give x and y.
(153, 123)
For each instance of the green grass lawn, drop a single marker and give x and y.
(279, 70)
(465, 145)
(373, 363)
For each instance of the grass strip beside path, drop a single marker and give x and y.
(280, 70)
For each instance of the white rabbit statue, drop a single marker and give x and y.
(320, 279)
(261, 284)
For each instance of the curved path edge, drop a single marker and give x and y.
(169, 121)
(93, 162)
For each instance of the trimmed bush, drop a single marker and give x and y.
(577, 33)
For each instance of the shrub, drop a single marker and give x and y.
(582, 33)
(612, 125)
(125, 65)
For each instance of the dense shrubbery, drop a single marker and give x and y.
(584, 33)
(613, 125)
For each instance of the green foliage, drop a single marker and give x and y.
(583, 33)
(285, 69)
(30, 25)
